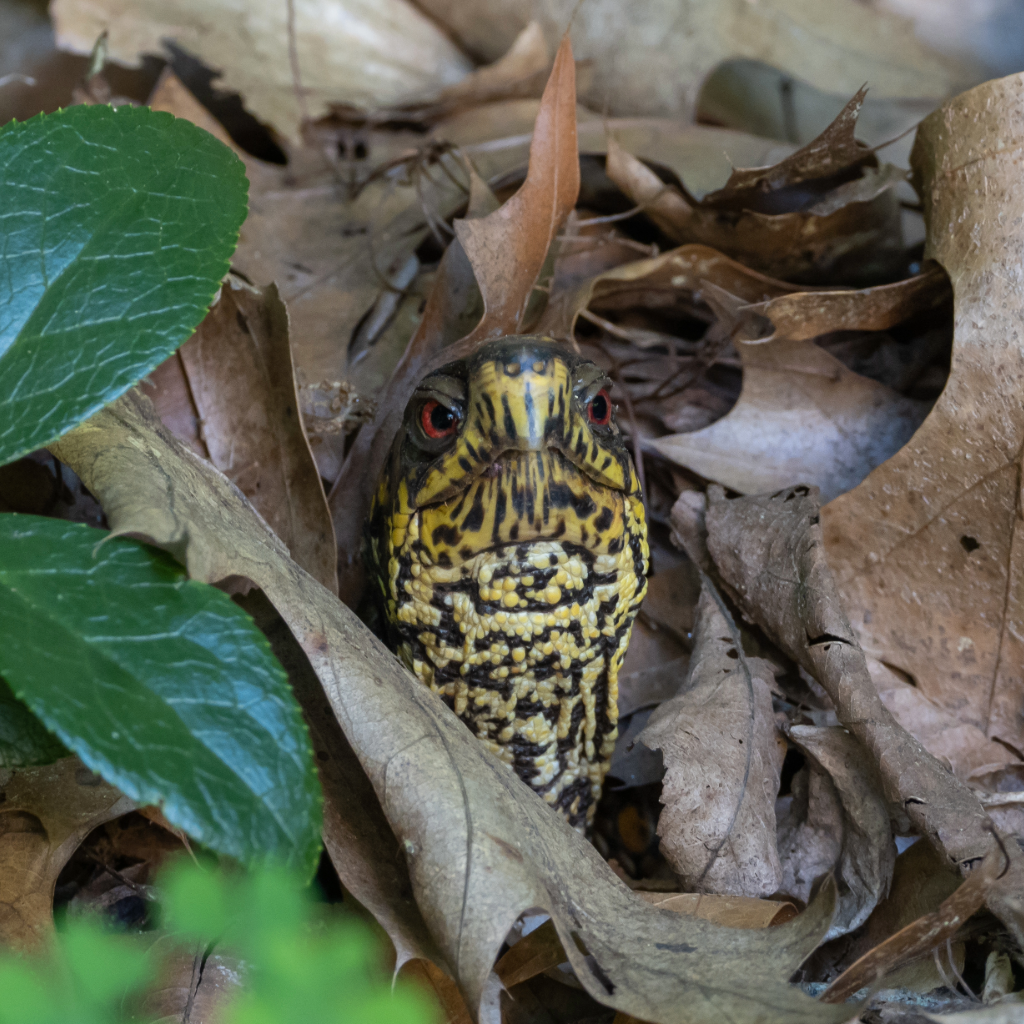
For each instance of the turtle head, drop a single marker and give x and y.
(517, 442)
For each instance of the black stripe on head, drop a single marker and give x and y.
(510, 423)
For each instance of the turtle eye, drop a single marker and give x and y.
(438, 420)
(599, 409)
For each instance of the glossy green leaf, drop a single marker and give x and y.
(24, 740)
(116, 227)
(161, 684)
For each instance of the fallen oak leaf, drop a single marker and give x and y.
(46, 814)
(541, 950)
(657, 282)
(722, 764)
(927, 551)
(802, 315)
(464, 820)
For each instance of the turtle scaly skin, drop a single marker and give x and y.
(508, 549)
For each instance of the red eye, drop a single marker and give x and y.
(599, 409)
(438, 420)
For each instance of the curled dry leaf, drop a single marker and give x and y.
(928, 551)
(238, 368)
(656, 64)
(802, 416)
(769, 553)
(481, 848)
(849, 229)
(722, 764)
(658, 282)
(45, 815)
(497, 138)
(507, 248)
(368, 53)
(846, 809)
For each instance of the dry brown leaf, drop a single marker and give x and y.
(439, 989)
(730, 911)
(802, 417)
(206, 993)
(964, 747)
(533, 954)
(367, 53)
(541, 950)
(659, 282)
(44, 816)
(722, 764)
(852, 231)
(508, 248)
(655, 64)
(920, 882)
(481, 848)
(769, 552)
(238, 367)
(803, 315)
(923, 935)
(855, 824)
(928, 550)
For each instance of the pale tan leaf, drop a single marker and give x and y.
(722, 764)
(802, 417)
(366, 53)
(481, 848)
(866, 852)
(655, 64)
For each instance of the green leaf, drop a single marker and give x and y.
(24, 740)
(161, 684)
(116, 227)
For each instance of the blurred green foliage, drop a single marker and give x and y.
(297, 971)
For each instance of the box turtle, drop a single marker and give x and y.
(508, 549)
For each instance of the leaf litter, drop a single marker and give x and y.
(765, 327)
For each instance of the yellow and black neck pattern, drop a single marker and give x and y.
(508, 546)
